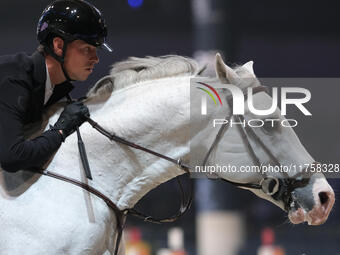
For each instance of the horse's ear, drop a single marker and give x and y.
(224, 72)
(249, 67)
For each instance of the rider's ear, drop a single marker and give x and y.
(224, 72)
(58, 45)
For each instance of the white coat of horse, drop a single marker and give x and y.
(150, 106)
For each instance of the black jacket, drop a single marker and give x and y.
(22, 93)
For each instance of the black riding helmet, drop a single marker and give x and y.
(71, 20)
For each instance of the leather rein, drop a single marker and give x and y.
(122, 214)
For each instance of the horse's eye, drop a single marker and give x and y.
(270, 185)
(271, 126)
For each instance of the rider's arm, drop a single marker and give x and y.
(15, 152)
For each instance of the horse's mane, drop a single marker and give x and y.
(134, 70)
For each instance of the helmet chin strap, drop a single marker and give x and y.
(60, 59)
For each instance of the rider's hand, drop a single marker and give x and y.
(72, 117)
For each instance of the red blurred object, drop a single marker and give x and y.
(135, 235)
(267, 236)
(268, 247)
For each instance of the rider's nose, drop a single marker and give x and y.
(95, 58)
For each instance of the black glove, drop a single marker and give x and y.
(71, 117)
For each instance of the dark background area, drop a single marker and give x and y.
(284, 38)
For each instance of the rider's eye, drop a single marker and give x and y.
(86, 50)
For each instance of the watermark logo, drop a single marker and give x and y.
(204, 98)
(238, 97)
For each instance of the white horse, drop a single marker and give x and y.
(150, 106)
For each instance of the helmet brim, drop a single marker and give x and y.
(106, 47)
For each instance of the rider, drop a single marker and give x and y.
(69, 33)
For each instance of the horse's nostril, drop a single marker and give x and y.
(323, 197)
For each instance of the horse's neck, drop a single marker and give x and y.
(152, 115)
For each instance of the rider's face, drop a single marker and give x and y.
(80, 60)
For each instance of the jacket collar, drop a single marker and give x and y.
(60, 91)
(39, 69)
(38, 90)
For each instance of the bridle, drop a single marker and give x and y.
(284, 190)
(279, 188)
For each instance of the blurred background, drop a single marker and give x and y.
(284, 39)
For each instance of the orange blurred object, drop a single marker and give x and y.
(134, 243)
